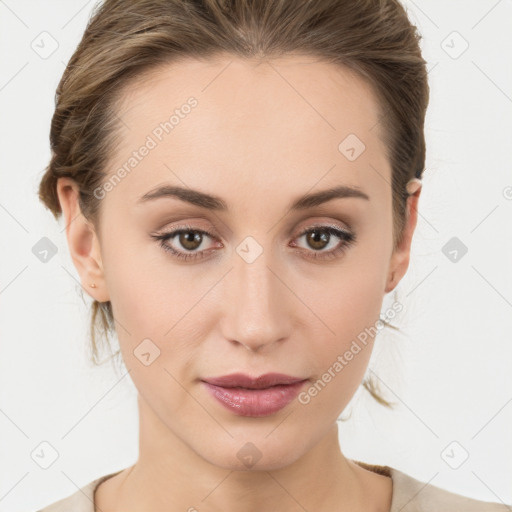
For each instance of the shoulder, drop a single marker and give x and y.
(80, 501)
(412, 495)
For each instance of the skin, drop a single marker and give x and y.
(261, 136)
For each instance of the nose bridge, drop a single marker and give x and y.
(256, 312)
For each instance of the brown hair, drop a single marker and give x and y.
(125, 39)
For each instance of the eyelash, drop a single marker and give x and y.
(347, 237)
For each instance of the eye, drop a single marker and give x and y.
(190, 239)
(321, 236)
(317, 237)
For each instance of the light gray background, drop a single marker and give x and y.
(449, 370)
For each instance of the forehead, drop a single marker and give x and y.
(281, 123)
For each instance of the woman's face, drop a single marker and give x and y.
(257, 294)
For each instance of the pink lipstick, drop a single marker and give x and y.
(254, 396)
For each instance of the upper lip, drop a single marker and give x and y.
(246, 381)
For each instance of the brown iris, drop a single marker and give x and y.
(190, 240)
(318, 238)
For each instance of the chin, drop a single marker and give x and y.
(258, 455)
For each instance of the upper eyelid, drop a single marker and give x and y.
(211, 232)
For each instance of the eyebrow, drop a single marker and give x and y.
(211, 202)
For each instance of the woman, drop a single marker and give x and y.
(240, 183)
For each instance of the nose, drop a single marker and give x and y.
(257, 304)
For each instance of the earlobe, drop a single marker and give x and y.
(400, 258)
(82, 240)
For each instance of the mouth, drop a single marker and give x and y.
(241, 380)
(254, 396)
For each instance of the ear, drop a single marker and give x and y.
(400, 258)
(83, 242)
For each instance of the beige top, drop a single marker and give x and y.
(409, 495)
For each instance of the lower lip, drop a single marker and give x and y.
(255, 402)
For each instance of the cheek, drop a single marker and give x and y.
(349, 305)
(341, 360)
(155, 304)
(352, 314)
(142, 287)
(350, 300)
